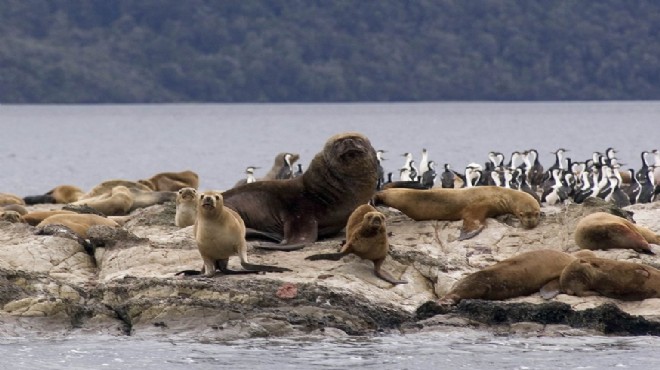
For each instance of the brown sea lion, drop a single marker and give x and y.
(186, 207)
(14, 207)
(7, 199)
(366, 237)
(116, 203)
(602, 230)
(591, 276)
(35, 217)
(520, 275)
(279, 163)
(316, 204)
(472, 205)
(11, 216)
(62, 194)
(78, 223)
(220, 234)
(106, 187)
(172, 181)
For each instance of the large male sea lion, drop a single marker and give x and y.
(316, 204)
(366, 237)
(62, 194)
(520, 275)
(602, 230)
(172, 181)
(186, 207)
(220, 234)
(472, 205)
(589, 276)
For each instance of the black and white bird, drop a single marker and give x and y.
(428, 177)
(616, 195)
(286, 171)
(447, 177)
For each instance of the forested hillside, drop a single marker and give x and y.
(72, 51)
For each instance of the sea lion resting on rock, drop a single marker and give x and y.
(141, 196)
(472, 205)
(220, 234)
(62, 194)
(35, 217)
(11, 216)
(366, 237)
(14, 207)
(601, 230)
(116, 203)
(186, 207)
(316, 204)
(7, 199)
(172, 181)
(521, 275)
(106, 187)
(78, 223)
(592, 276)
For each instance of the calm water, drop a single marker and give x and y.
(46, 146)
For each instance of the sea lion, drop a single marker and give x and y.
(590, 276)
(11, 216)
(472, 205)
(186, 207)
(172, 181)
(520, 275)
(106, 187)
(278, 164)
(14, 207)
(220, 234)
(62, 194)
(316, 204)
(366, 237)
(35, 217)
(116, 203)
(602, 230)
(7, 199)
(79, 223)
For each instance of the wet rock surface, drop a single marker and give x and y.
(51, 286)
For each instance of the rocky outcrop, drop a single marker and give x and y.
(51, 286)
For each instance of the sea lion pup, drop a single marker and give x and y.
(602, 230)
(186, 207)
(35, 217)
(366, 237)
(78, 223)
(172, 181)
(316, 204)
(472, 205)
(60, 194)
(520, 275)
(220, 234)
(590, 276)
(278, 164)
(117, 203)
(7, 199)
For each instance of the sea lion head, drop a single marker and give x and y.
(11, 216)
(210, 201)
(375, 220)
(351, 154)
(527, 209)
(187, 193)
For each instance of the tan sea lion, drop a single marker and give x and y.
(116, 203)
(278, 164)
(220, 234)
(520, 275)
(316, 204)
(602, 230)
(186, 207)
(590, 276)
(172, 181)
(35, 217)
(62, 194)
(78, 223)
(7, 199)
(472, 205)
(11, 216)
(106, 187)
(366, 237)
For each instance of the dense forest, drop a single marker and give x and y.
(90, 51)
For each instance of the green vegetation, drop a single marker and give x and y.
(89, 51)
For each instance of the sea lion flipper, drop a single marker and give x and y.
(379, 272)
(465, 234)
(298, 233)
(550, 289)
(326, 256)
(188, 273)
(281, 247)
(258, 234)
(251, 268)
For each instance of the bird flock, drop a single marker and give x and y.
(564, 181)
